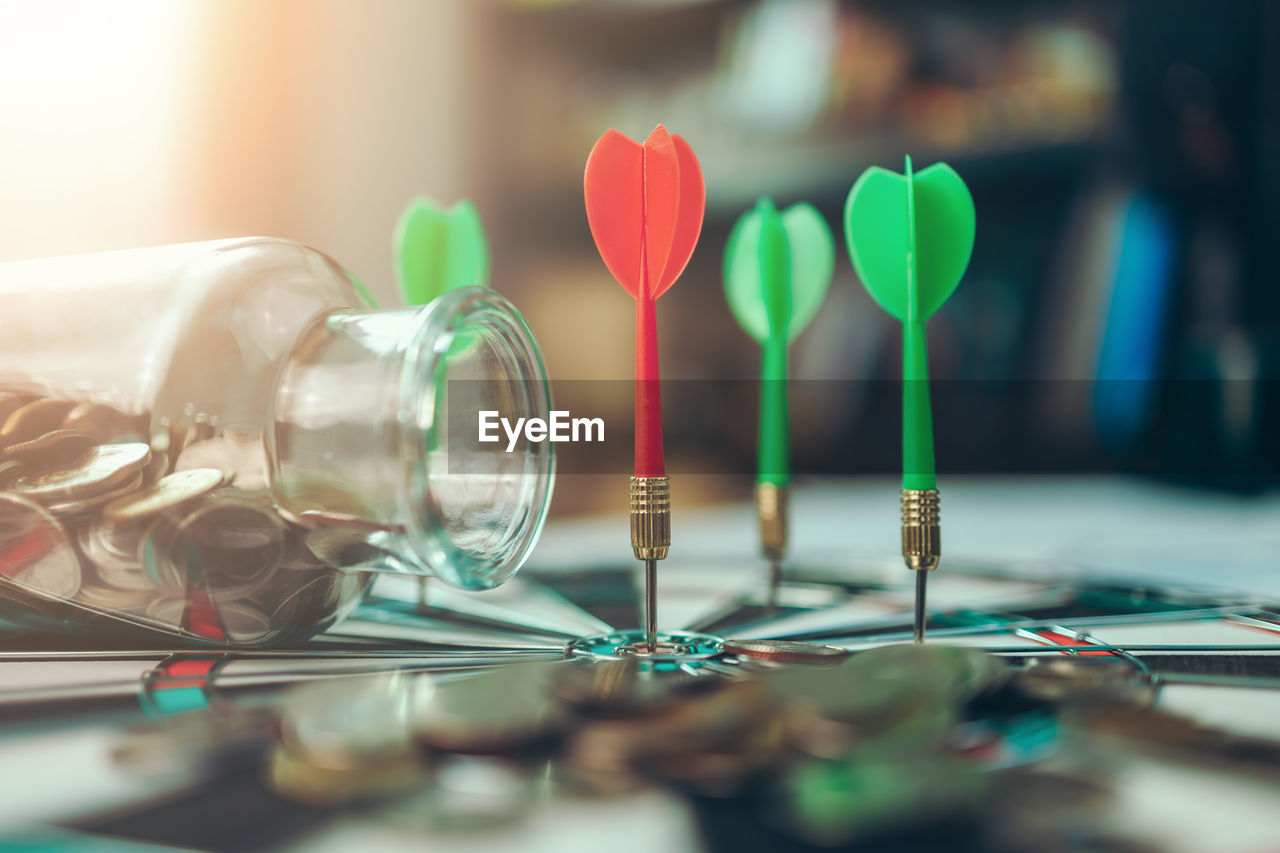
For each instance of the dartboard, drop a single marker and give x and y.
(1210, 663)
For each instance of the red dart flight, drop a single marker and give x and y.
(645, 204)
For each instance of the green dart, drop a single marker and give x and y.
(777, 269)
(910, 237)
(438, 250)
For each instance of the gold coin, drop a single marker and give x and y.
(104, 422)
(168, 492)
(33, 420)
(11, 402)
(60, 446)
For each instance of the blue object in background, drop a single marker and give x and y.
(1133, 326)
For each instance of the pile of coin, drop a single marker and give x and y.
(178, 533)
(609, 727)
(899, 747)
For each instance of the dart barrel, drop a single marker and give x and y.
(921, 536)
(772, 502)
(650, 517)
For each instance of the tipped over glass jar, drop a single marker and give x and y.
(224, 440)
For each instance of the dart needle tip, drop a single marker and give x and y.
(775, 581)
(651, 605)
(922, 581)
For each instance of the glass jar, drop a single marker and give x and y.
(224, 440)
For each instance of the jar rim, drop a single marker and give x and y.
(479, 317)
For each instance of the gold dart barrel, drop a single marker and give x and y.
(921, 536)
(650, 517)
(772, 503)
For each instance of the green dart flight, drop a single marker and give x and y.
(910, 237)
(438, 250)
(777, 270)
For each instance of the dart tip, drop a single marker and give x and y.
(922, 580)
(651, 605)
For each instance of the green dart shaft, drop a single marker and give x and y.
(917, 411)
(917, 414)
(775, 264)
(774, 451)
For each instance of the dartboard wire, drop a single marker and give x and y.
(999, 622)
(524, 604)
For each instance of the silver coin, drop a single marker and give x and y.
(468, 794)
(114, 600)
(165, 494)
(228, 545)
(498, 710)
(120, 543)
(35, 552)
(310, 608)
(106, 467)
(237, 622)
(242, 457)
(82, 506)
(320, 520)
(153, 551)
(123, 576)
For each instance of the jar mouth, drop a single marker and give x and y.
(472, 510)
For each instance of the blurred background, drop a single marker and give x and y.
(1121, 312)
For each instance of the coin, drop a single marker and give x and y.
(11, 402)
(499, 710)
(34, 419)
(321, 599)
(239, 455)
(113, 600)
(318, 519)
(347, 739)
(1086, 680)
(624, 687)
(892, 703)
(168, 492)
(226, 621)
(123, 577)
(785, 651)
(106, 467)
(82, 505)
(34, 550)
(59, 446)
(468, 794)
(710, 741)
(338, 724)
(233, 544)
(105, 423)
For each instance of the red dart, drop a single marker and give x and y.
(644, 205)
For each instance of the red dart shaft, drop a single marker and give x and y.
(649, 462)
